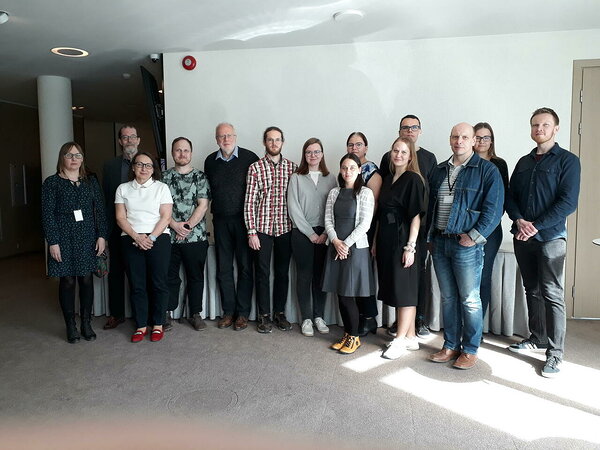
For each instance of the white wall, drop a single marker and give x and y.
(329, 91)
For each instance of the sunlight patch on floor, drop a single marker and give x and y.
(510, 410)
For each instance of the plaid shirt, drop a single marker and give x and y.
(265, 207)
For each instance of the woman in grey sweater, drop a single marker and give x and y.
(307, 193)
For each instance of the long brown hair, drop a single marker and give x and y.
(66, 148)
(303, 169)
(413, 164)
(487, 126)
(359, 182)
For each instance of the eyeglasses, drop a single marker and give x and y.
(132, 137)
(222, 137)
(271, 140)
(140, 165)
(313, 153)
(483, 138)
(356, 145)
(410, 127)
(73, 155)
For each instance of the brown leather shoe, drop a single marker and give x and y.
(444, 355)
(241, 323)
(113, 322)
(225, 322)
(465, 361)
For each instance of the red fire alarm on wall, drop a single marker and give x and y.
(189, 63)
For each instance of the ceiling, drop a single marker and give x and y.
(121, 38)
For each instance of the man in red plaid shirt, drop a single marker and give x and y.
(269, 228)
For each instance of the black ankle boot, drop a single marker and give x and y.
(365, 325)
(72, 333)
(86, 326)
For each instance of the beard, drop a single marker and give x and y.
(130, 152)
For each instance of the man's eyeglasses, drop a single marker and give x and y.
(356, 145)
(73, 155)
(132, 137)
(271, 140)
(313, 153)
(141, 165)
(410, 127)
(222, 137)
(483, 138)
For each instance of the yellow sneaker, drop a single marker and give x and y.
(340, 344)
(350, 346)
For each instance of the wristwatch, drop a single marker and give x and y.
(152, 238)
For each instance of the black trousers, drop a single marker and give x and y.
(116, 276)
(144, 264)
(193, 257)
(310, 260)
(231, 239)
(542, 269)
(424, 279)
(281, 248)
(367, 306)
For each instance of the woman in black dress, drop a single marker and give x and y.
(348, 271)
(75, 229)
(484, 146)
(401, 204)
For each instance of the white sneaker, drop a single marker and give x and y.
(321, 326)
(396, 349)
(411, 343)
(307, 328)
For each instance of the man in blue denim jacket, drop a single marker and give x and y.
(544, 188)
(466, 202)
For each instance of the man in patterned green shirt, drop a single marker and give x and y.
(191, 194)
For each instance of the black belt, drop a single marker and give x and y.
(456, 237)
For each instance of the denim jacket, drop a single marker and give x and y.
(478, 199)
(545, 192)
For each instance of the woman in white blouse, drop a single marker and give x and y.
(143, 211)
(307, 193)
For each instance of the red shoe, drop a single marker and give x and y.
(156, 335)
(138, 336)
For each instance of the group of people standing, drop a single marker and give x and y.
(332, 224)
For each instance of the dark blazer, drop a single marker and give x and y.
(111, 179)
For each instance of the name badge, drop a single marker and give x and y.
(78, 215)
(447, 199)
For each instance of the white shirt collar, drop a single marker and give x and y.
(147, 184)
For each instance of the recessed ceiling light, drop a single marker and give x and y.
(4, 16)
(348, 16)
(77, 108)
(69, 52)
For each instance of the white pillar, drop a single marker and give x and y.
(56, 119)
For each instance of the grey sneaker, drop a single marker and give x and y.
(321, 325)
(422, 329)
(307, 328)
(168, 325)
(281, 321)
(197, 322)
(551, 369)
(393, 330)
(527, 345)
(264, 324)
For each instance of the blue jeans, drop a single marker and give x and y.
(458, 270)
(490, 249)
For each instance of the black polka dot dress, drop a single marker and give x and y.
(76, 239)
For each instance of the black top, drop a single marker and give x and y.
(503, 169)
(427, 162)
(227, 181)
(116, 171)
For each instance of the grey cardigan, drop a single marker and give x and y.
(306, 201)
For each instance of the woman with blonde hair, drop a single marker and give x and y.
(401, 206)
